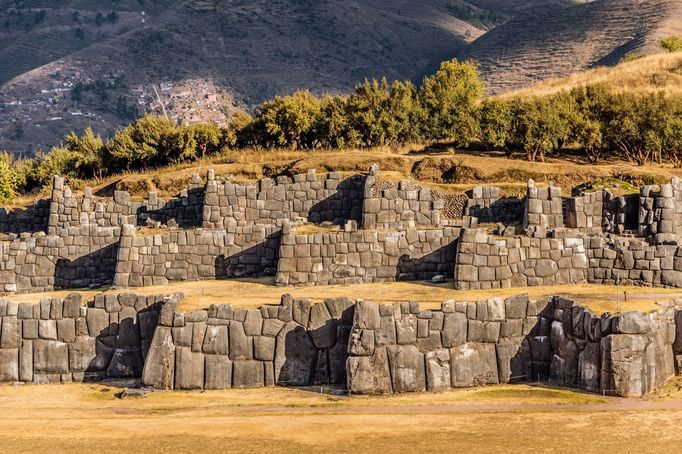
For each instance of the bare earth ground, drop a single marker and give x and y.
(505, 418)
(258, 292)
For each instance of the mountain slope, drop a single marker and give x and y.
(562, 41)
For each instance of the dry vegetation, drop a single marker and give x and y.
(519, 418)
(442, 168)
(661, 73)
(251, 293)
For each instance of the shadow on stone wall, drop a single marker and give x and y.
(254, 261)
(93, 269)
(438, 262)
(29, 219)
(344, 205)
(186, 211)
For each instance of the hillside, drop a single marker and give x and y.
(566, 40)
(238, 52)
(102, 63)
(655, 73)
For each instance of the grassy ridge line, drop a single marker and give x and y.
(660, 73)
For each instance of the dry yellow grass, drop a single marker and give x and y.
(89, 418)
(259, 292)
(660, 73)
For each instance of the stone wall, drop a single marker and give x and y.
(485, 261)
(400, 348)
(401, 206)
(370, 348)
(485, 204)
(63, 340)
(544, 208)
(29, 219)
(352, 257)
(38, 262)
(293, 344)
(306, 197)
(190, 255)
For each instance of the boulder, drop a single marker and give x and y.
(626, 365)
(631, 323)
(241, 346)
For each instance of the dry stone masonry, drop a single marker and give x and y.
(365, 347)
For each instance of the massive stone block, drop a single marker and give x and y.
(438, 370)
(189, 369)
(369, 374)
(50, 357)
(294, 356)
(159, 367)
(473, 364)
(406, 364)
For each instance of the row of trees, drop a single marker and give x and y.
(448, 106)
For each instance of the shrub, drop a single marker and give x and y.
(9, 181)
(671, 44)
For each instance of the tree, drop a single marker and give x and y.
(334, 127)
(671, 44)
(89, 152)
(450, 99)
(367, 112)
(207, 137)
(239, 132)
(495, 124)
(148, 141)
(8, 178)
(537, 126)
(289, 120)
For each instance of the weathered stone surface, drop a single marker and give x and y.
(454, 330)
(367, 315)
(369, 374)
(159, 366)
(10, 332)
(125, 363)
(473, 364)
(361, 342)
(406, 364)
(50, 357)
(264, 348)
(81, 353)
(189, 369)
(626, 365)
(9, 364)
(248, 374)
(294, 356)
(218, 374)
(438, 370)
(514, 362)
(216, 340)
(241, 346)
(631, 323)
(406, 329)
(322, 327)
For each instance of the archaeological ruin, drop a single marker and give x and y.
(313, 230)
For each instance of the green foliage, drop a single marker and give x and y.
(289, 121)
(9, 181)
(151, 140)
(671, 44)
(450, 100)
(89, 152)
(495, 123)
(59, 161)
